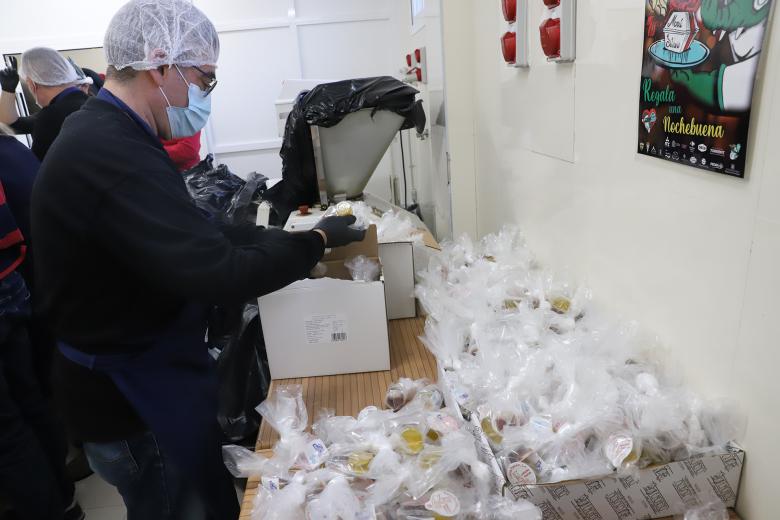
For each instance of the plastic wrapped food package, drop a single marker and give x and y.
(391, 226)
(243, 463)
(286, 503)
(286, 412)
(363, 269)
(559, 387)
(400, 393)
(337, 501)
(382, 464)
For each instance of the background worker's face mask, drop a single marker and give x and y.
(189, 120)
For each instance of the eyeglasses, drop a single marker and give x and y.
(211, 80)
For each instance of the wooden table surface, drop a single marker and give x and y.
(348, 394)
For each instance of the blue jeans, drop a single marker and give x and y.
(150, 485)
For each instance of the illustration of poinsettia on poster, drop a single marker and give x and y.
(698, 76)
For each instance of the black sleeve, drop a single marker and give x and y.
(24, 125)
(156, 230)
(243, 234)
(48, 123)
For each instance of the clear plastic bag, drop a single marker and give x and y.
(714, 510)
(503, 508)
(395, 226)
(336, 502)
(391, 226)
(457, 451)
(283, 504)
(243, 463)
(552, 375)
(401, 393)
(363, 269)
(286, 412)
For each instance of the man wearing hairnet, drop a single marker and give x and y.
(56, 85)
(128, 268)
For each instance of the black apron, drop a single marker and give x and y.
(172, 385)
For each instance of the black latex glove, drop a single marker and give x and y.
(9, 76)
(338, 232)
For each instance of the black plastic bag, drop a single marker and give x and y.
(225, 197)
(242, 368)
(326, 105)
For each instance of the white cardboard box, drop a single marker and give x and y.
(398, 266)
(330, 325)
(400, 260)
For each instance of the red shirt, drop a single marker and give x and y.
(184, 152)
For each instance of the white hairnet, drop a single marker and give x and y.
(145, 34)
(48, 67)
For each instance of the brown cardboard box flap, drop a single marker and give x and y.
(429, 241)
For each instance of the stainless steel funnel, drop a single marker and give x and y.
(347, 154)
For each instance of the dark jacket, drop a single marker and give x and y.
(121, 248)
(45, 125)
(18, 168)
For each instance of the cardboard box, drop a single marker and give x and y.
(328, 326)
(398, 266)
(657, 492)
(400, 261)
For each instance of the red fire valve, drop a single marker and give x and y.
(509, 47)
(510, 10)
(550, 33)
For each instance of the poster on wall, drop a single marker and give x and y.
(698, 73)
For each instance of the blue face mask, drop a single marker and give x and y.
(189, 120)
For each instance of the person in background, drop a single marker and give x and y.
(97, 81)
(128, 268)
(184, 152)
(54, 83)
(32, 443)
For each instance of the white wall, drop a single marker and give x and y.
(262, 44)
(694, 256)
(459, 63)
(427, 158)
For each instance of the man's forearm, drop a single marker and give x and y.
(8, 113)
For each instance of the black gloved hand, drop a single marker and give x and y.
(9, 76)
(338, 232)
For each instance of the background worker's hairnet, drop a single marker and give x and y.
(146, 34)
(48, 67)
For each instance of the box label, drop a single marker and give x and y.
(325, 328)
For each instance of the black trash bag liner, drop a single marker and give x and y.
(242, 368)
(224, 197)
(326, 105)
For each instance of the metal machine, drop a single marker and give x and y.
(346, 154)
